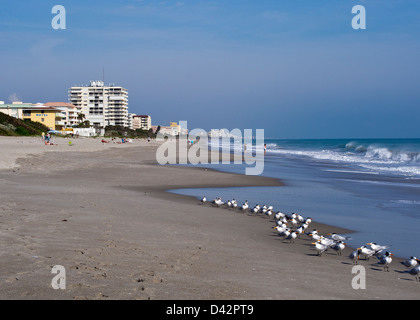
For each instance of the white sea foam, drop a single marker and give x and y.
(376, 159)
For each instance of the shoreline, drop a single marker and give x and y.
(121, 234)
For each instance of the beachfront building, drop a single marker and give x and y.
(48, 116)
(143, 122)
(173, 129)
(101, 105)
(130, 120)
(69, 111)
(14, 109)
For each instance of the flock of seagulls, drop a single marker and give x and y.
(293, 226)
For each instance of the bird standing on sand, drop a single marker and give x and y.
(291, 237)
(256, 209)
(300, 218)
(367, 252)
(285, 233)
(234, 203)
(294, 222)
(300, 230)
(245, 206)
(337, 237)
(203, 200)
(319, 247)
(376, 247)
(339, 247)
(385, 260)
(314, 235)
(326, 242)
(280, 229)
(410, 263)
(279, 215)
(415, 272)
(218, 201)
(263, 209)
(355, 255)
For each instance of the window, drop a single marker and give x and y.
(42, 119)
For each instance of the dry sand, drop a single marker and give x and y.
(105, 216)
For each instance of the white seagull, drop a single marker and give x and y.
(320, 248)
(378, 248)
(234, 203)
(218, 201)
(280, 229)
(263, 209)
(314, 235)
(337, 237)
(367, 252)
(279, 215)
(291, 237)
(203, 200)
(268, 213)
(410, 263)
(300, 230)
(385, 260)
(415, 272)
(300, 218)
(339, 247)
(256, 209)
(285, 233)
(355, 255)
(326, 241)
(245, 206)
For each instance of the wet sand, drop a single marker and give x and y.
(106, 217)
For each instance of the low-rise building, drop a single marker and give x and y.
(48, 116)
(143, 122)
(14, 109)
(173, 129)
(69, 111)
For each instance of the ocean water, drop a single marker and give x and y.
(371, 186)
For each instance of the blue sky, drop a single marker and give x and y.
(294, 68)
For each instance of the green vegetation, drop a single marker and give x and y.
(84, 124)
(123, 132)
(10, 126)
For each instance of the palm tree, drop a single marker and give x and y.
(81, 116)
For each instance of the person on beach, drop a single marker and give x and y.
(265, 148)
(47, 139)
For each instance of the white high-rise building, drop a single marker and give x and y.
(102, 105)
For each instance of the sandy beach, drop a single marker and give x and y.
(102, 212)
